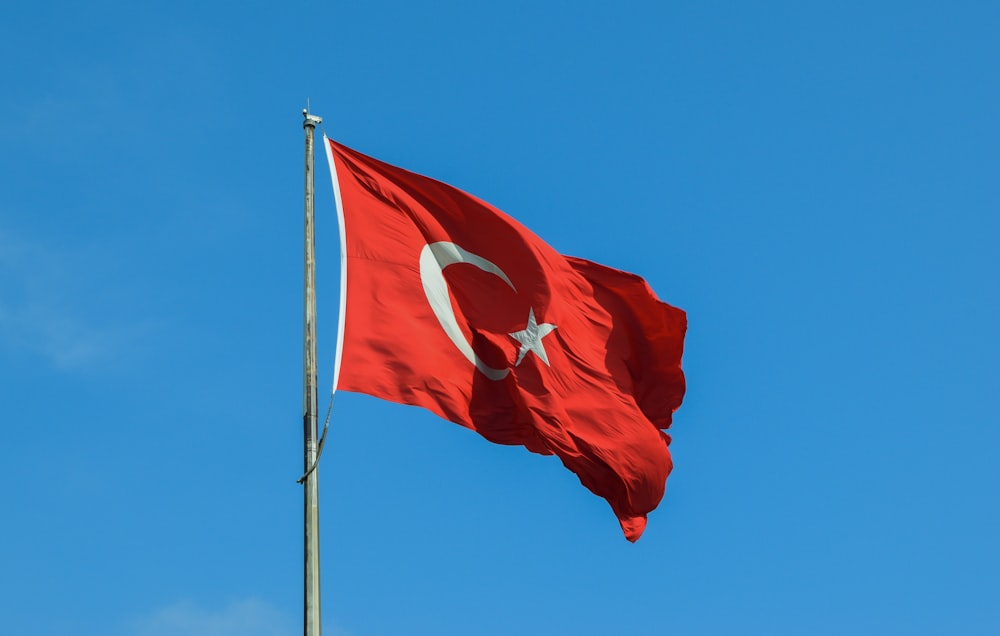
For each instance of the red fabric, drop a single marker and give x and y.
(613, 377)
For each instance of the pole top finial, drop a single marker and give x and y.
(309, 119)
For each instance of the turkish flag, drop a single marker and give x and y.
(451, 305)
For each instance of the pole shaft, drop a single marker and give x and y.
(312, 619)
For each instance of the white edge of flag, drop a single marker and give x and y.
(338, 356)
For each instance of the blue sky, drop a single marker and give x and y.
(814, 183)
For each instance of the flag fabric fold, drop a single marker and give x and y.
(451, 305)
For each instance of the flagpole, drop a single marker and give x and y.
(312, 619)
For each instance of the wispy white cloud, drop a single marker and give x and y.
(67, 342)
(37, 315)
(249, 617)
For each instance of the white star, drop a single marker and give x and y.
(531, 338)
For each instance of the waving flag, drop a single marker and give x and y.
(449, 304)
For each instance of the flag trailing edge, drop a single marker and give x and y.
(449, 304)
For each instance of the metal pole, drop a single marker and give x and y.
(313, 625)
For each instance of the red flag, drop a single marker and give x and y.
(450, 304)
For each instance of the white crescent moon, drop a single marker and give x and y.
(434, 257)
